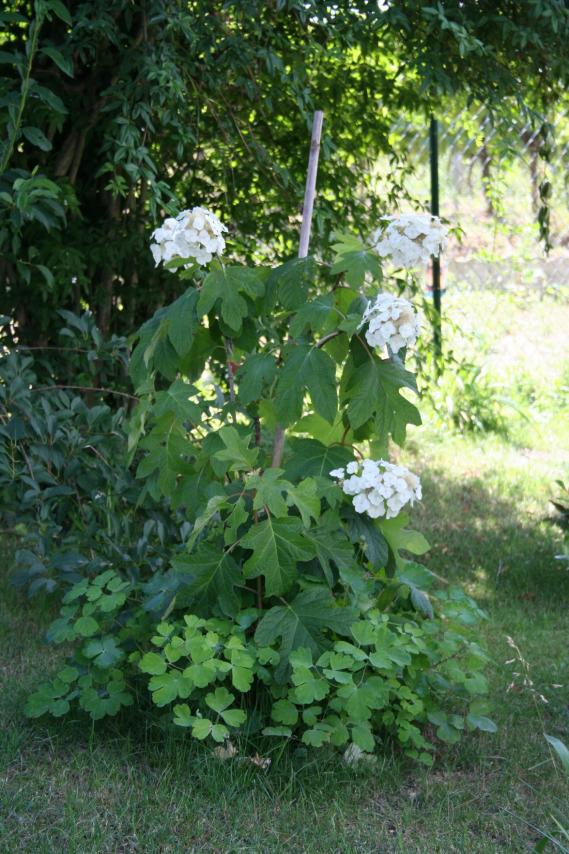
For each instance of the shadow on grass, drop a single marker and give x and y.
(490, 542)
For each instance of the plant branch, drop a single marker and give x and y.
(85, 388)
(13, 135)
(328, 337)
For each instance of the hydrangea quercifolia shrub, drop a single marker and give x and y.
(294, 611)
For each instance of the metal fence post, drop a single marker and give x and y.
(436, 264)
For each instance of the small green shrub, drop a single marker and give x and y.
(65, 490)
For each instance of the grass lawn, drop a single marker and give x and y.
(128, 786)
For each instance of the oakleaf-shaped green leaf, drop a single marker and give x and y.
(212, 577)
(255, 374)
(306, 368)
(310, 458)
(315, 315)
(230, 286)
(292, 281)
(175, 399)
(277, 546)
(399, 537)
(354, 260)
(371, 391)
(333, 547)
(303, 496)
(237, 451)
(303, 622)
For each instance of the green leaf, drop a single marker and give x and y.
(105, 652)
(212, 577)
(65, 63)
(362, 699)
(372, 391)
(237, 451)
(242, 678)
(283, 731)
(213, 507)
(364, 632)
(415, 574)
(86, 627)
(183, 318)
(219, 700)
(37, 137)
(238, 516)
(68, 675)
(219, 732)
(234, 717)
(230, 286)
(175, 400)
(422, 603)
(398, 537)
(183, 716)
(556, 743)
(152, 663)
(314, 315)
(169, 449)
(269, 490)
(284, 712)
(448, 733)
(48, 699)
(303, 497)
(306, 369)
(292, 281)
(310, 458)
(60, 10)
(303, 622)
(201, 728)
(167, 687)
(360, 528)
(485, 724)
(254, 376)
(363, 737)
(277, 546)
(317, 736)
(354, 260)
(333, 547)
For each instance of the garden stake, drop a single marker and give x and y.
(307, 208)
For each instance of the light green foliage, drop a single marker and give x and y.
(284, 599)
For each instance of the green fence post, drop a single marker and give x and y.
(436, 264)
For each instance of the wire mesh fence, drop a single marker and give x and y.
(490, 179)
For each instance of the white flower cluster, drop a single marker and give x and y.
(196, 233)
(392, 322)
(379, 488)
(410, 239)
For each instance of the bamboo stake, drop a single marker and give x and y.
(307, 208)
(310, 190)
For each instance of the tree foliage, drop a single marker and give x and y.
(111, 111)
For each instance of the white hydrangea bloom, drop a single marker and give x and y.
(195, 233)
(410, 239)
(378, 488)
(392, 322)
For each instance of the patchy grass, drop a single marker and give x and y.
(131, 785)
